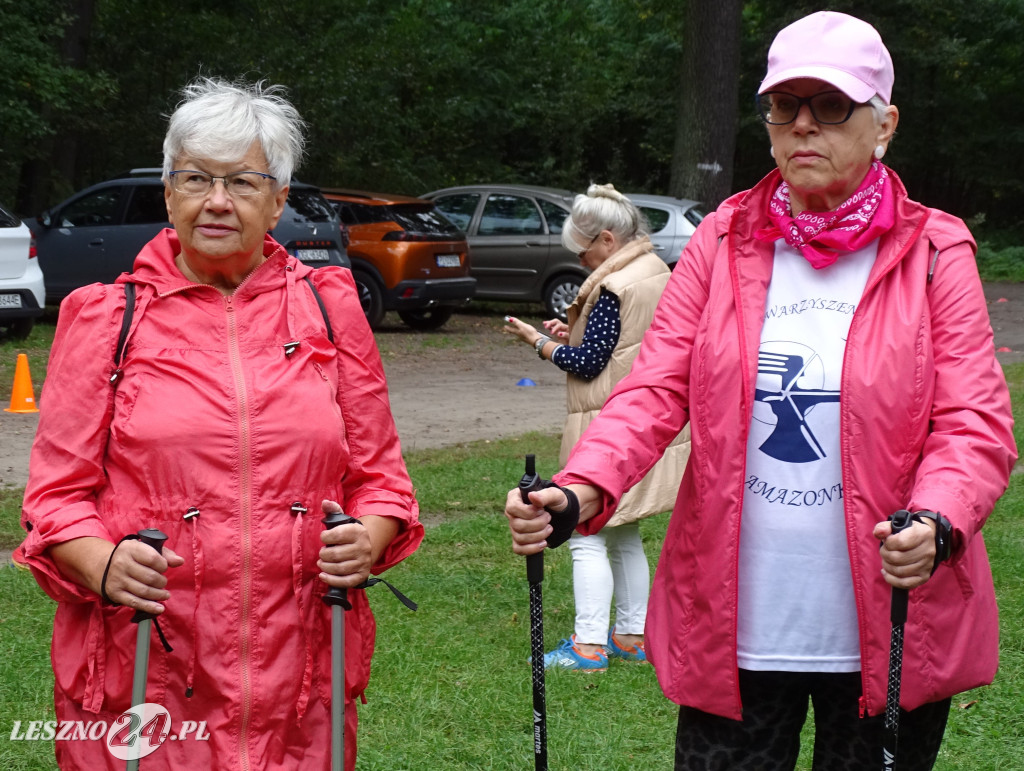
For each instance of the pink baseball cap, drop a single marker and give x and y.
(839, 49)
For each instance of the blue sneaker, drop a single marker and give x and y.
(568, 656)
(632, 653)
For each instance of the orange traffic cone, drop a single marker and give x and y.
(22, 396)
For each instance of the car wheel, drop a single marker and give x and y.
(559, 294)
(371, 297)
(427, 318)
(17, 329)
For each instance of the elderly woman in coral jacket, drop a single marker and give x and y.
(827, 341)
(239, 415)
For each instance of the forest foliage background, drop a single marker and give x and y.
(406, 96)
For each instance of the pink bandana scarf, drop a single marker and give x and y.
(822, 236)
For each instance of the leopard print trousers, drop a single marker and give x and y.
(774, 710)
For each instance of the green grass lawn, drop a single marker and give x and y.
(451, 685)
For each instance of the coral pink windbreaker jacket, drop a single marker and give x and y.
(925, 424)
(236, 416)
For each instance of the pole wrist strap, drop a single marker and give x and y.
(565, 521)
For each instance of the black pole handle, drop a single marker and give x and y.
(155, 538)
(900, 520)
(529, 482)
(336, 595)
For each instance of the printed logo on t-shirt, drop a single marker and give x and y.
(790, 385)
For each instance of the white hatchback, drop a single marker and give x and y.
(22, 291)
(672, 222)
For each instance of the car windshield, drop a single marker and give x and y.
(310, 205)
(420, 218)
(695, 215)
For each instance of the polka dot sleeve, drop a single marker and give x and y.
(587, 359)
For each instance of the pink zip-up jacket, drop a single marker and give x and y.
(925, 424)
(235, 417)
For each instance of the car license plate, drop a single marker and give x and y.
(448, 261)
(10, 300)
(313, 255)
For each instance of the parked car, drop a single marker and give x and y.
(95, 234)
(514, 234)
(22, 292)
(406, 256)
(672, 221)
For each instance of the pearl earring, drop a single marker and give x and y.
(879, 152)
(771, 151)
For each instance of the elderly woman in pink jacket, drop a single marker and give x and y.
(240, 411)
(827, 341)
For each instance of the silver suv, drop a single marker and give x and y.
(95, 234)
(21, 281)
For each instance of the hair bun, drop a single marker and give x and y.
(605, 191)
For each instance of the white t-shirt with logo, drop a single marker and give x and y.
(796, 604)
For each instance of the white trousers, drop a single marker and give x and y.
(609, 563)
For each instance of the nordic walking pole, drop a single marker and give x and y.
(898, 615)
(156, 539)
(338, 600)
(535, 575)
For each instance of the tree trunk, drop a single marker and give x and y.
(702, 160)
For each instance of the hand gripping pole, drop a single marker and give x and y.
(535, 575)
(156, 539)
(898, 616)
(337, 598)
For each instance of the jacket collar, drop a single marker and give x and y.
(741, 215)
(155, 266)
(617, 261)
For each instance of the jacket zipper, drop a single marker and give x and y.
(245, 490)
(857, 577)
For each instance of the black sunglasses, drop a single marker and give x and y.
(777, 108)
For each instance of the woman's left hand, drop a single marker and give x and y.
(908, 556)
(557, 328)
(347, 556)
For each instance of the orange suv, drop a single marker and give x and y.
(406, 256)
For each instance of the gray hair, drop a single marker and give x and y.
(602, 208)
(879, 106)
(221, 121)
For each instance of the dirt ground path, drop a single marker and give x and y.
(460, 384)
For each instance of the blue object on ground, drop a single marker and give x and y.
(526, 382)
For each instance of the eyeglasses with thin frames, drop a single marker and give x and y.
(243, 184)
(592, 240)
(830, 108)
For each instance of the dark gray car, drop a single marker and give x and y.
(96, 234)
(515, 243)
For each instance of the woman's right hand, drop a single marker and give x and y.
(529, 522)
(136, 577)
(525, 332)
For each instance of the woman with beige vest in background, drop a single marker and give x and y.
(606, 322)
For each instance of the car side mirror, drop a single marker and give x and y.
(44, 219)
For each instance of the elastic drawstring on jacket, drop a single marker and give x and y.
(192, 516)
(297, 510)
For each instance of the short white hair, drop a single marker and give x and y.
(221, 121)
(602, 208)
(879, 105)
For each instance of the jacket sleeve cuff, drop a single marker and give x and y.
(953, 509)
(34, 552)
(607, 502)
(410, 530)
